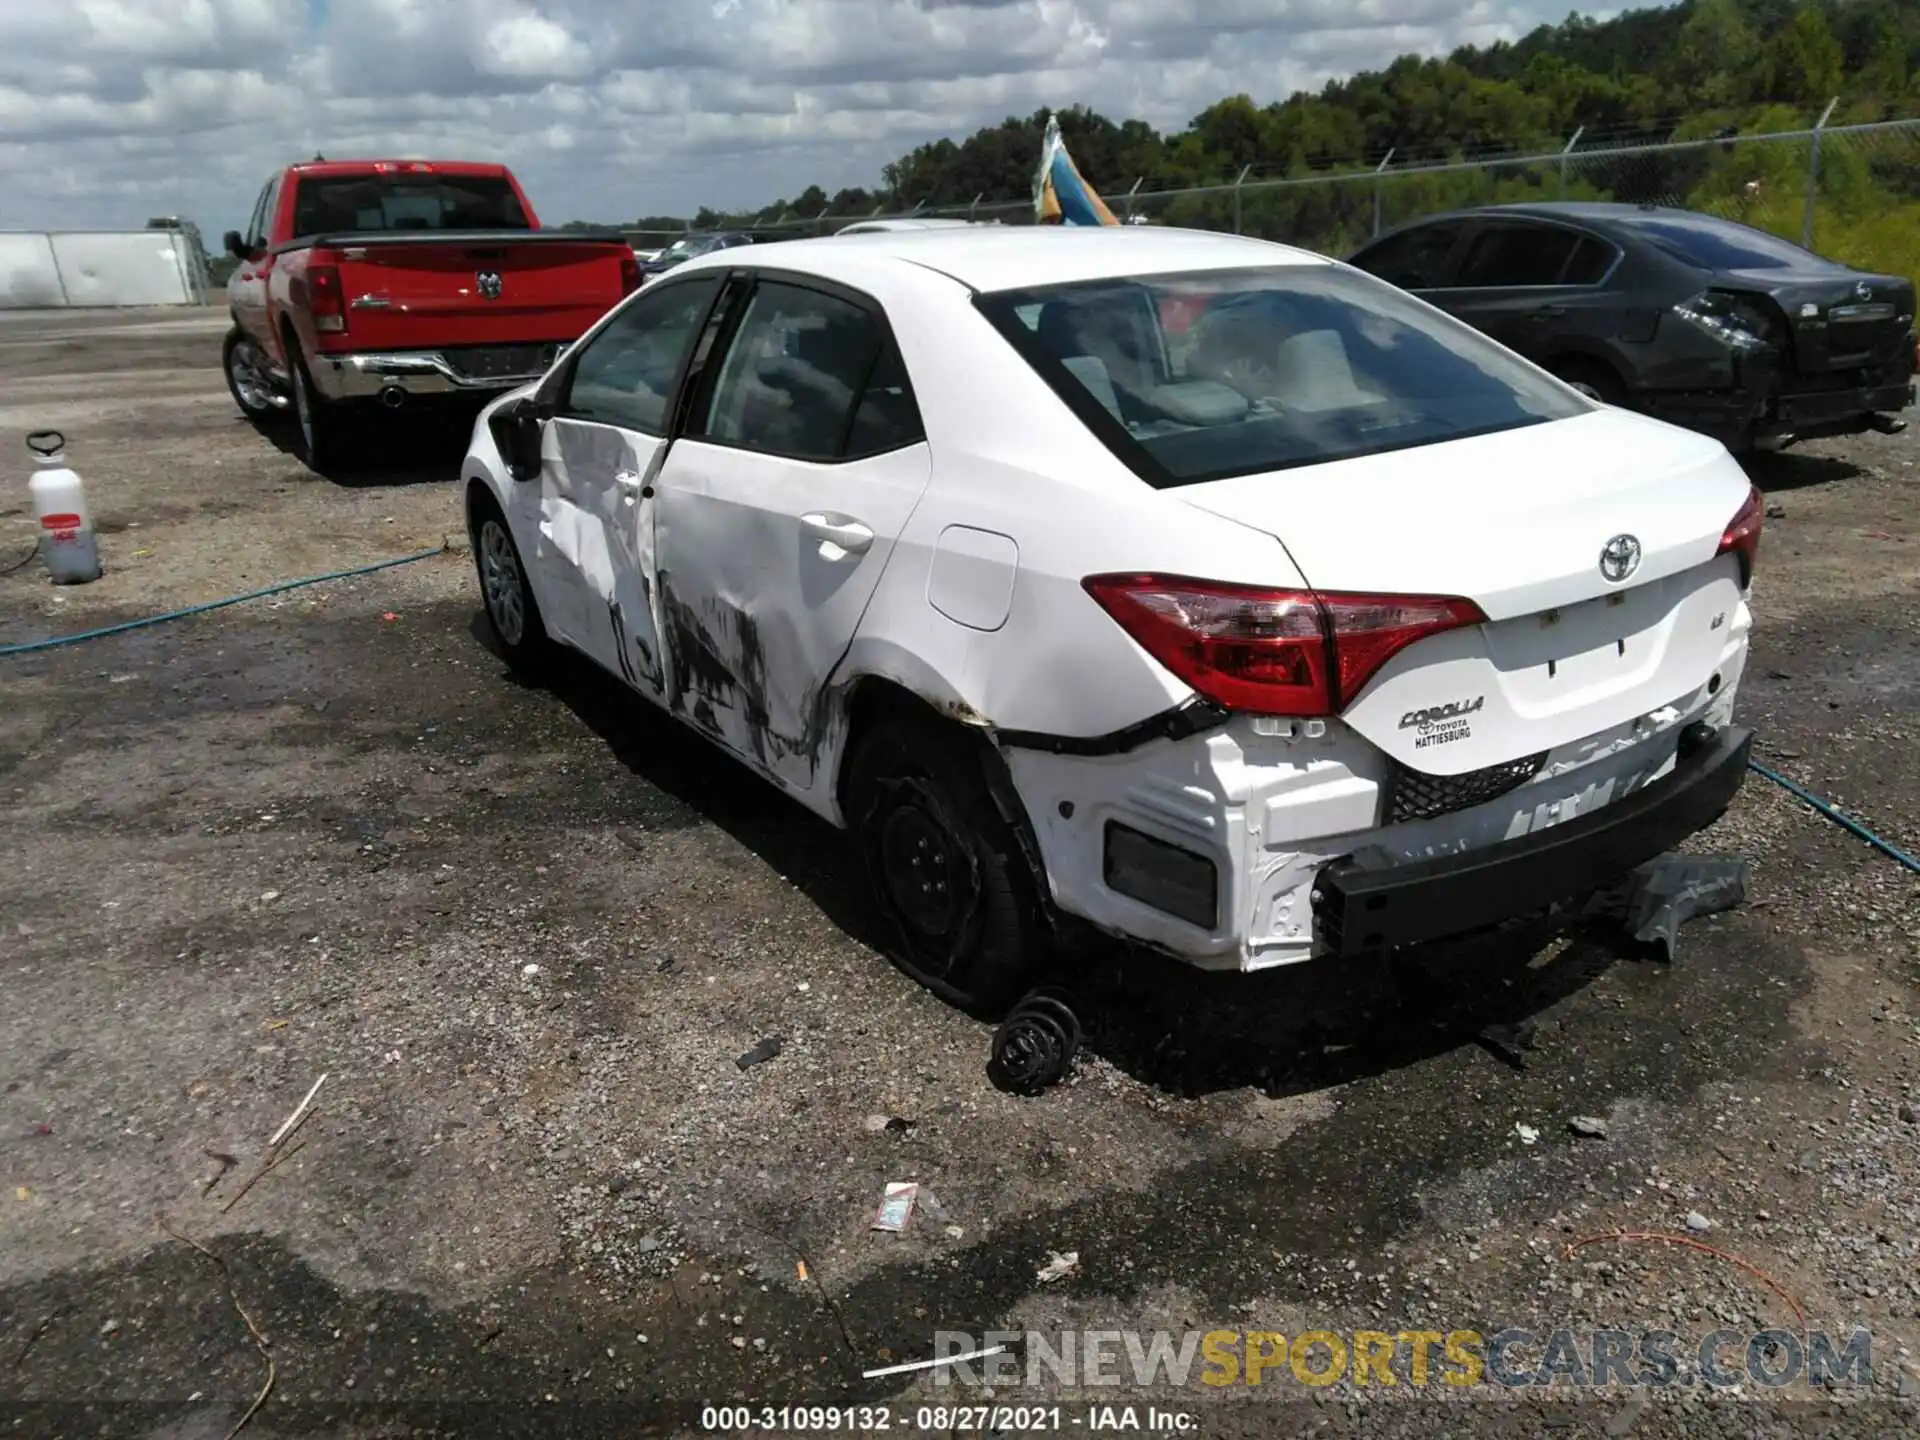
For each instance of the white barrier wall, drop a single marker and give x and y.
(63, 268)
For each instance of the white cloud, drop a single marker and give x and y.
(114, 110)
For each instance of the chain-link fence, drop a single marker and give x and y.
(1849, 191)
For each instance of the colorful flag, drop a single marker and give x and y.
(1060, 196)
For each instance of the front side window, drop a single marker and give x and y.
(257, 222)
(801, 365)
(1502, 255)
(625, 374)
(1275, 368)
(376, 203)
(1414, 259)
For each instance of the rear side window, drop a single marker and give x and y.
(811, 376)
(1275, 368)
(377, 203)
(1710, 244)
(1592, 259)
(1414, 259)
(887, 417)
(1517, 255)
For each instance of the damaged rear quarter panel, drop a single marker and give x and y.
(1010, 458)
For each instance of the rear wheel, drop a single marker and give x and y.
(248, 379)
(323, 427)
(1593, 380)
(511, 609)
(946, 869)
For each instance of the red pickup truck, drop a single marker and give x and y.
(385, 282)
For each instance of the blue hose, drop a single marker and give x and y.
(1844, 821)
(30, 646)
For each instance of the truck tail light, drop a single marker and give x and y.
(1742, 535)
(1272, 652)
(325, 302)
(629, 274)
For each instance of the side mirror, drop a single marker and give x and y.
(516, 428)
(236, 244)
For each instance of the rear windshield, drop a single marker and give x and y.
(1203, 376)
(1710, 244)
(406, 202)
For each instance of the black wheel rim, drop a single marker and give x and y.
(927, 875)
(916, 855)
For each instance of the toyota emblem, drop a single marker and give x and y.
(488, 282)
(1619, 557)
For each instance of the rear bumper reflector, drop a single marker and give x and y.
(1171, 879)
(1362, 906)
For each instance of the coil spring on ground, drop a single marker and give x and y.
(1035, 1045)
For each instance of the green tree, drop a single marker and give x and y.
(1716, 61)
(1804, 61)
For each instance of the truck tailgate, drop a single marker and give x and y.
(405, 293)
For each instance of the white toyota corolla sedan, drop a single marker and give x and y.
(1205, 591)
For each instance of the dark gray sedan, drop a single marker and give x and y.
(1694, 319)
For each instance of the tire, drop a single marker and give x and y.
(505, 592)
(1593, 380)
(947, 871)
(240, 358)
(322, 425)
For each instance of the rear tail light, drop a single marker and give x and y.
(629, 274)
(1272, 652)
(1737, 321)
(325, 302)
(1742, 535)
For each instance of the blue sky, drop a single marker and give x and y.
(115, 110)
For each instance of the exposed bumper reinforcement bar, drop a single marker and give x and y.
(1363, 906)
(416, 372)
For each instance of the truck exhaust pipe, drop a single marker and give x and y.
(393, 397)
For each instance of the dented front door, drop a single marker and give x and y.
(600, 456)
(596, 511)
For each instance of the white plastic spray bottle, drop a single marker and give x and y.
(67, 545)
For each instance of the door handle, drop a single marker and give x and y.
(1548, 312)
(631, 484)
(850, 535)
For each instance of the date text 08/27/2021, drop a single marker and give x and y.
(944, 1419)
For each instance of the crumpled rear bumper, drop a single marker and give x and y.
(1365, 905)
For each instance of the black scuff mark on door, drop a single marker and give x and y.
(621, 643)
(620, 640)
(698, 669)
(753, 683)
(717, 654)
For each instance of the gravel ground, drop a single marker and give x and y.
(526, 933)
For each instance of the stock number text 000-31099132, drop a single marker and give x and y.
(867, 1419)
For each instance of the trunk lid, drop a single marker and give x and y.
(419, 293)
(1516, 522)
(1840, 319)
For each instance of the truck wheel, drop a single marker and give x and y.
(511, 609)
(322, 425)
(946, 869)
(247, 377)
